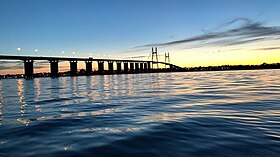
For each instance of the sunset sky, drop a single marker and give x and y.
(194, 32)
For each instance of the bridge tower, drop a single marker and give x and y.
(167, 58)
(154, 57)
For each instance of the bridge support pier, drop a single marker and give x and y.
(136, 67)
(111, 67)
(28, 69)
(131, 67)
(145, 67)
(119, 67)
(125, 67)
(149, 66)
(141, 67)
(88, 67)
(100, 67)
(54, 68)
(73, 67)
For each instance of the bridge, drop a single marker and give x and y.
(129, 66)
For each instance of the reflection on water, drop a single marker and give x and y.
(234, 113)
(1, 106)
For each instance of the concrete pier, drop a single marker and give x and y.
(88, 67)
(131, 67)
(101, 67)
(136, 67)
(111, 67)
(145, 67)
(141, 67)
(28, 69)
(149, 66)
(54, 68)
(73, 67)
(125, 67)
(119, 67)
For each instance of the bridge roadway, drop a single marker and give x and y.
(135, 65)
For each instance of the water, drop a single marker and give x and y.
(233, 113)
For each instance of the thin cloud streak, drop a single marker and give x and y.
(248, 32)
(268, 48)
(15, 65)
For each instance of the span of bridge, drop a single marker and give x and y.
(135, 65)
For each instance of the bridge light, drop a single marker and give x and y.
(73, 53)
(36, 51)
(18, 49)
(62, 53)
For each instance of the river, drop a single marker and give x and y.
(222, 113)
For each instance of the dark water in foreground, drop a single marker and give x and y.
(234, 113)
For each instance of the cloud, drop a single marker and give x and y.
(237, 41)
(11, 66)
(245, 20)
(10, 62)
(41, 64)
(247, 32)
(15, 65)
(137, 57)
(268, 48)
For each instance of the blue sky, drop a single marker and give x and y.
(118, 26)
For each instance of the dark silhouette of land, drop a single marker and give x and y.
(235, 67)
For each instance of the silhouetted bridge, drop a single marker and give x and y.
(129, 66)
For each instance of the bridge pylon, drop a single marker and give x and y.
(167, 58)
(154, 57)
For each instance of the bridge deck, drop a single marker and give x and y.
(10, 57)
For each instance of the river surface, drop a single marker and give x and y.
(229, 113)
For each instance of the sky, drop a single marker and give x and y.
(194, 32)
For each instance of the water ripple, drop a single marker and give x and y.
(229, 113)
